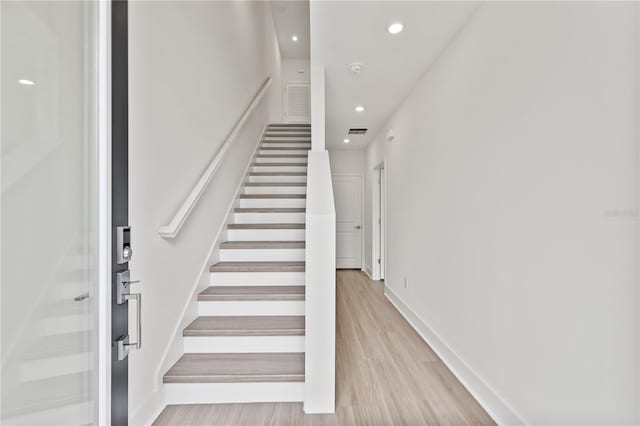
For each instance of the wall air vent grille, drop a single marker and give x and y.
(357, 131)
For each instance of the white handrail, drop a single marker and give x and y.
(172, 229)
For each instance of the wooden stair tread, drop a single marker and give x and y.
(266, 226)
(284, 148)
(45, 394)
(275, 184)
(269, 210)
(278, 174)
(281, 156)
(293, 266)
(289, 125)
(279, 164)
(262, 245)
(292, 141)
(58, 345)
(237, 368)
(253, 292)
(287, 138)
(267, 325)
(273, 195)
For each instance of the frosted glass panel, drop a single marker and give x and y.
(48, 146)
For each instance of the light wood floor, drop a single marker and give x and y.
(386, 375)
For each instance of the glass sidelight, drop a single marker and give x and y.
(49, 209)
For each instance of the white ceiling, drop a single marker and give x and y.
(292, 18)
(356, 31)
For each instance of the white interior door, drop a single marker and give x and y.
(347, 191)
(297, 108)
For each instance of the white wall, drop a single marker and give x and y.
(512, 210)
(297, 70)
(347, 161)
(194, 68)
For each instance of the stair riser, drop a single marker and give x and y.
(78, 261)
(267, 160)
(269, 217)
(250, 307)
(55, 366)
(272, 202)
(256, 278)
(278, 179)
(226, 393)
(268, 168)
(243, 344)
(74, 414)
(261, 255)
(288, 135)
(69, 290)
(66, 324)
(283, 151)
(306, 145)
(275, 190)
(277, 134)
(287, 138)
(266, 234)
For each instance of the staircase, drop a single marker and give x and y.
(48, 380)
(247, 344)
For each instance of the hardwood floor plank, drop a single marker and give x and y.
(385, 374)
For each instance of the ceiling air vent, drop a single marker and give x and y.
(355, 131)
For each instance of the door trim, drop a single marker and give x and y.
(119, 203)
(377, 206)
(362, 229)
(103, 307)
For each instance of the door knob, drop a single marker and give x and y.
(357, 227)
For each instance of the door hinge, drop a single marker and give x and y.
(379, 221)
(379, 261)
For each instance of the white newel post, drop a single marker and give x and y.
(320, 276)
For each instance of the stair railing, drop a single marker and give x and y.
(172, 229)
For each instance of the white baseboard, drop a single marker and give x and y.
(487, 397)
(150, 409)
(367, 270)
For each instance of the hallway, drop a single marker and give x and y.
(386, 374)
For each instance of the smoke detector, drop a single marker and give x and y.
(356, 68)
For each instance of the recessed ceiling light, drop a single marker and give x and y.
(395, 28)
(26, 82)
(294, 38)
(359, 108)
(346, 141)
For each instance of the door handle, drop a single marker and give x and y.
(123, 343)
(123, 295)
(138, 298)
(357, 227)
(81, 297)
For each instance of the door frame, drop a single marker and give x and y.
(119, 166)
(102, 304)
(361, 177)
(379, 232)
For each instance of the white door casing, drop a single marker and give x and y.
(347, 191)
